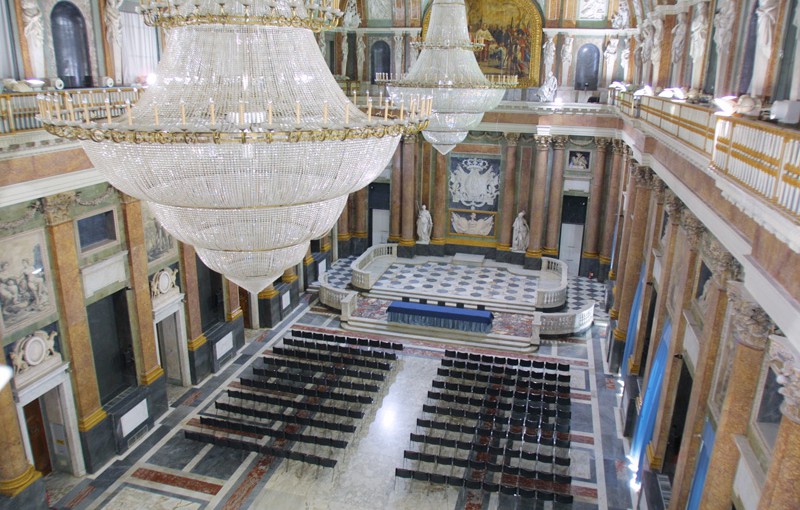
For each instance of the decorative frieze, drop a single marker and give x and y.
(722, 264)
(57, 207)
(693, 227)
(751, 324)
(674, 207)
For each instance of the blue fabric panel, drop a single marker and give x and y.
(703, 459)
(444, 312)
(633, 324)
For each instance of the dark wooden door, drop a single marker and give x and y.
(38, 437)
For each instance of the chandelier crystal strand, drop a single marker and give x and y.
(244, 145)
(447, 71)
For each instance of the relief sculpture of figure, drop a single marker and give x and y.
(549, 53)
(424, 225)
(34, 36)
(658, 39)
(679, 37)
(566, 51)
(699, 31)
(521, 234)
(766, 13)
(547, 92)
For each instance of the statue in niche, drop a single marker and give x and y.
(323, 47)
(114, 35)
(549, 53)
(521, 234)
(658, 39)
(621, 19)
(566, 52)
(593, 9)
(647, 33)
(610, 52)
(547, 92)
(766, 13)
(699, 33)
(361, 52)
(424, 225)
(703, 300)
(679, 37)
(351, 19)
(34, 36)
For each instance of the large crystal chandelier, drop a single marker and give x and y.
(244, 146)
(447, 71)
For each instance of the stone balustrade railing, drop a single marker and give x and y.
(693, 125)
(763, 158)
(364, 279)
(553, 298)
(18, 111)
(330, 295)
(565, 323)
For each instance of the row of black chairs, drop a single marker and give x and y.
(486, 368)
(341, 349)
(526, 425)
(489, 467)
(262, 449)
(509, 452)
(483, 375)
(324, 368)
(502, 360)
(534, 415)
(323, 356)
(491, 402)
(310, 379)
(363, 342)
(508, 382)
(516, 394)
(483, 485)
(295, 404)
(284, 417)
(308, 392)
(249, 428)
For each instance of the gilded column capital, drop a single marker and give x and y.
(722, 264)
(617, 146)
(542, 142)
(602, 143)
(751, 325)
(642, 175)
(674, 207)
(559, 143)
(512, 138)
(693, 227)
(57, 207)
(786, 364)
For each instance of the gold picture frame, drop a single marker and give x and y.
(512, 34)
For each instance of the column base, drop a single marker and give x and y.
(532, 262)
(358, 245)
(589, 265)
(33, 497)
(205, 359)
(603, 271)
(617, 350)
(406, 252)
(345, 250)
(98, 444)
(436, 250)
(422, 249)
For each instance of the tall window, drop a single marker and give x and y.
(139, 48)
(8, 66)
(71, 45)
(587, 67)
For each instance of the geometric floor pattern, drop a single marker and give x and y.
(167, 471)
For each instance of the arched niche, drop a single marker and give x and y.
(71, 45)
(587, 67)
(380, 59)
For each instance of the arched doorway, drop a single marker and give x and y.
(380, 59)
(71, 45)
(587, 67)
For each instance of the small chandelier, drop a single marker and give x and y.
(244, 146)
(447, 71)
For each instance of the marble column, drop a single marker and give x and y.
(309, 268)
(439, 206)
(633, 262)
(360, 235)
(589, 258)
(682, 297)
(713, 328)
(507, 212)
(782, 489)
(94, 425)
(751, 327)
(533, 256)
(625, 225)
(233, 309)
(189, 285)
(556, 197)
(269, 306)
(145, 354)
(611, 210)
(409, 195)
(343, 230)
(395, 191)
(17, 476)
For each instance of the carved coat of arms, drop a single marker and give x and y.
(474, 183)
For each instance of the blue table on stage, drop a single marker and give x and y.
(418, 314)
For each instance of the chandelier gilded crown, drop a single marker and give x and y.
(244, 146)
(447, 71)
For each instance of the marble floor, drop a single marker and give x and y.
(167, 471)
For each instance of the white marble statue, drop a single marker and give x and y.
(424, 225)
(647, 41)
(323, 46)
(610, 53)
(351, 19)
(699, 33)
(658, 39)
(621, 19)
(114, 35)
(34, 36)
(566, 51)
(398, 54)
(723, 26)
(679, 32)
(547, 92)
(345, 52)
(767, 14)
(593, 9)
(549, 54)
(521, 234)
(361, 53)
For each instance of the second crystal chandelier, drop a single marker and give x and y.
(447, 71)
